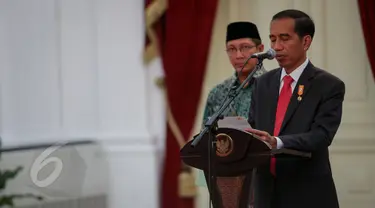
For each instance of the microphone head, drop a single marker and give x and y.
(271, 54)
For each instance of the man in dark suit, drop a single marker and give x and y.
(297, 106)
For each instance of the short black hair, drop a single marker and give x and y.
(303, 24)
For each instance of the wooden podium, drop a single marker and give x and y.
(238, 154)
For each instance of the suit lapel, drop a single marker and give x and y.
(305, 80)
(273, 99)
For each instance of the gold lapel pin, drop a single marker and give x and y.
(300, 92)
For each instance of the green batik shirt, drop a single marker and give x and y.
(240, 106)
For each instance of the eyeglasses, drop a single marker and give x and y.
(243, 49)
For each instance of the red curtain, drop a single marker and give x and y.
(183, 36)
(184, 40)
(367, 13)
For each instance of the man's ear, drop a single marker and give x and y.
(260, 48)
(307, 42)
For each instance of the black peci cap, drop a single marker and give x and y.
(237, 30)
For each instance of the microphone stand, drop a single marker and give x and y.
(211, 128)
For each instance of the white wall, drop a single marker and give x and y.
(338, 47)
(72, 69)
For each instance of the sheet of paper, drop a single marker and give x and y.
(235, 122)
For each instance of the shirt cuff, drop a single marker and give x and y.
(279, 143)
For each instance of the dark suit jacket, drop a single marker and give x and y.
(309, 125)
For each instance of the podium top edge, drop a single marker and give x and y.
(291, 152)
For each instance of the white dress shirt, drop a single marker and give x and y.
(295, 75)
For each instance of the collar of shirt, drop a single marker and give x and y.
(295, 74)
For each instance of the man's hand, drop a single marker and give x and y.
(265, 136)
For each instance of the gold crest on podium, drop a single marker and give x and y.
(224, 145)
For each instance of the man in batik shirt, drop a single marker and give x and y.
(242, 41)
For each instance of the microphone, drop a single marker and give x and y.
(270, 54)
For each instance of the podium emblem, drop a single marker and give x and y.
(224, 145)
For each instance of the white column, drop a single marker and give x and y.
(353, 151)
(31, 87)
(124, 126)
(318, 50)
(234, 10)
